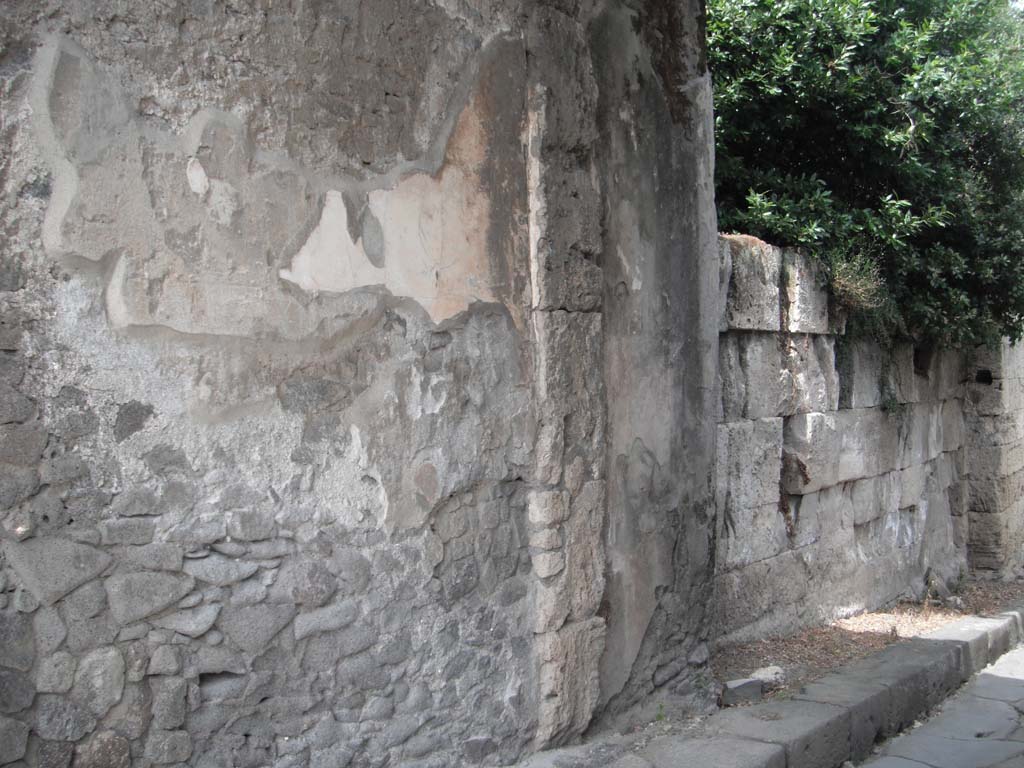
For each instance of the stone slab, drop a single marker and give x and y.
(814, 735)
(672, 752)
(919, 673)
(867, 701)
(972, 634)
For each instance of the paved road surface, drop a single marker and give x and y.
(982, 726)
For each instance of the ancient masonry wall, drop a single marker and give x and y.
(842, 475)
(349, 353)
(995, 458)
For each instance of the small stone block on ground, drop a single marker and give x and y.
(747, 690)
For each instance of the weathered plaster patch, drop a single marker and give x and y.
(199, 251)
(434, 232)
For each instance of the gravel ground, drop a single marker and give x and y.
(812, 653)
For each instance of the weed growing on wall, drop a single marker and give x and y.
(887, 137)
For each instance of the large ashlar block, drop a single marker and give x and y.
(765, 375)
(1004, 361)
(922, 435)
(940, 374)
(824, 449)
(749, 463)
(1006, 429)
(996, 397)
(810, 382)
(752, 377)
(750, 534)
(765, 597)
(870, 376)
(822, 516)
(752, 298)
(994, 463)
(805, 297)
(993, 495)
(995, 538)
(875, 497)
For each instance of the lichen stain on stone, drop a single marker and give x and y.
(434, 232)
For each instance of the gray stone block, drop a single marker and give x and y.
(60, 719)
(749, 463)
(825, 449)
(219, 570)
(17, 646)
(134, 596)
(805, 293)
(919, 673)
(746, 690)
(252, 628)
(868, 702)
(168, 746)
(51, 567)
(813, 734)
(754, 601)
(810, 382)
(753, 301)
(13, 739)
(56, 673)
(192, 622)
(169, 705)
(22, 444)
(972, 635)
(16, 691)
(99, 680)
(105, 749)
(14, 406)
(725, 752)
(870, 376)
(750, 534)
(753, 380)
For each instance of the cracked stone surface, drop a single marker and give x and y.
(982, 726)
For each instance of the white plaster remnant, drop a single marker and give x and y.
(434, 232)
(198, 181)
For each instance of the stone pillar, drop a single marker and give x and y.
(660, 285)
(995, 434)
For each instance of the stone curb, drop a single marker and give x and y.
(841, 716)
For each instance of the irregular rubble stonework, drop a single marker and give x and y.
(842, 475)
(348, 352)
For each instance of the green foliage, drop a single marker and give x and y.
(887, 137)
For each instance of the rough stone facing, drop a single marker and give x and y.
(854, 493)
(305, 446)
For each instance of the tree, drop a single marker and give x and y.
(887, 138)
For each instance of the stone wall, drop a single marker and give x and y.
(349, 351)
(995, 441)
(841, 465)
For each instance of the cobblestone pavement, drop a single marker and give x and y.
(982, 726)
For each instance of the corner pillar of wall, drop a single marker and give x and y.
(566, 502)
